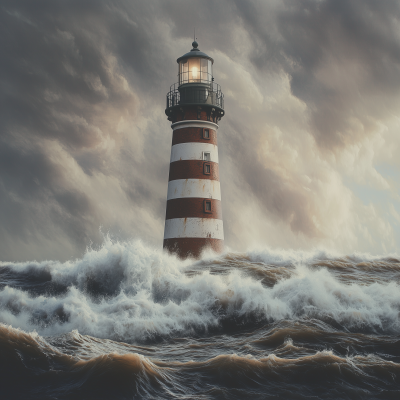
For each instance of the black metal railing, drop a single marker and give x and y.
(204, 94)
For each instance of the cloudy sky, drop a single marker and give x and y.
(309, 147)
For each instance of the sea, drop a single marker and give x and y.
(128, 321)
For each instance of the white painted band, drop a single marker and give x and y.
(194, 124)
(194, 151)
(194, 228)
(198, 188)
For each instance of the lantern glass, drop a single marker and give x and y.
(195, 70)
(183, 72)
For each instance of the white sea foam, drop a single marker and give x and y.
(140, 292)
(296, 257)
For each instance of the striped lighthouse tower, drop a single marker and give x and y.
(195, 104)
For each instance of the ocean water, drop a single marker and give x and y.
(130, 322)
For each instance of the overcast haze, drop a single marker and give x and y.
(309, 147)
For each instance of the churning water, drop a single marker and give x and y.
(127, 321)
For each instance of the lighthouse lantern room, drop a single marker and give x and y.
(195, 105)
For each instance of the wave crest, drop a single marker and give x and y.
(131, 292)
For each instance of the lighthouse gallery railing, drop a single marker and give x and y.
(188, 94)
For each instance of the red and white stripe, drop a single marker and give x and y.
(189, 225)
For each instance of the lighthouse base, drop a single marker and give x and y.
(192, 247)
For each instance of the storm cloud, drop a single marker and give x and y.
(309, 146)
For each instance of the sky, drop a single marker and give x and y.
(309, 146)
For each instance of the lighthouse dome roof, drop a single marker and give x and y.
(195, 52)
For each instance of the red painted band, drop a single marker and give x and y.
(190, 207)
(192, 247)
(190, 135)
(191, 113)
(193, 169)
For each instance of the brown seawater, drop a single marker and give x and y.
(130, 322)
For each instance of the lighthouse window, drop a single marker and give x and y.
(206, 134)
(207, 206)
(205, 73)
(207, 169)
(183, 72)
(206, 156)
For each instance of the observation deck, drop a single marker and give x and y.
(195, 94)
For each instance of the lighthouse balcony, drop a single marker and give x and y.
(195, 94)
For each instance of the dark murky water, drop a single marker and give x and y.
(128, 322)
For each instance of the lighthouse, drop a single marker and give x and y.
(195, 105)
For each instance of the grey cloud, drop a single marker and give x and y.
(279, 200)
(56, 85)
(315, 35)
(35, 196)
